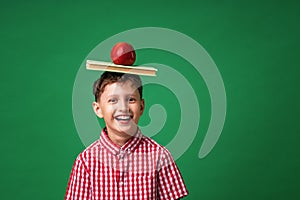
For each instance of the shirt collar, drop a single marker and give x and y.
(128, 147)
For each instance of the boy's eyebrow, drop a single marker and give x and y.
(117, 96)
(112, 95)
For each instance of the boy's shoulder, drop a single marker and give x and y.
(151, 146)
(89, 152)
(149, 142)
(144, 144)
(94, 147)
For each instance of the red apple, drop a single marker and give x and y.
(123, 54)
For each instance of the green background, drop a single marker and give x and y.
(255, 45)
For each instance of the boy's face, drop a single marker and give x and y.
(121, 107)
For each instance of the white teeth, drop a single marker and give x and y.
(123, 117)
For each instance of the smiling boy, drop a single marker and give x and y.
(123, 163)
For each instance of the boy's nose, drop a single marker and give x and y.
(123, 106)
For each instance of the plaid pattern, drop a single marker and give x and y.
(140, 169)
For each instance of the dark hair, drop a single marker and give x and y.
(113, 77)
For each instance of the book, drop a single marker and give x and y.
(108, 66)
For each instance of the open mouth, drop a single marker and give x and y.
(123, 117)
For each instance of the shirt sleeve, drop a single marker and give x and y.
(170, 182)
(79, 182)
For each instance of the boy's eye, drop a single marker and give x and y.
(131, 100)
(112, 100)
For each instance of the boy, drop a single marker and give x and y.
(123, 163)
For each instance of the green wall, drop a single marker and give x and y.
(255, 45)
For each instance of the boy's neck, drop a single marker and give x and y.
(119, 141)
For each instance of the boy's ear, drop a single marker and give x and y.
(97, 109)
(142, 106)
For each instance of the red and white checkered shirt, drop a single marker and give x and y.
(140, 169)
